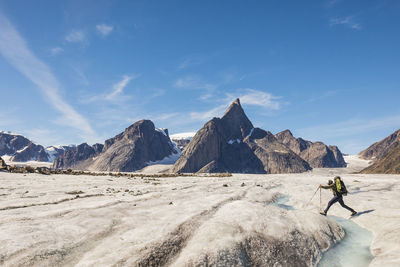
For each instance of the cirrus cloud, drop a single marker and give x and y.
(15, 50)
(104, 29)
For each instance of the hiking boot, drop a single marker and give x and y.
(323, 213)
(353, 213)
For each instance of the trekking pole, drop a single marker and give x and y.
(312, 196)
(320, 199)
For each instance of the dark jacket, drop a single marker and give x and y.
(333, 188)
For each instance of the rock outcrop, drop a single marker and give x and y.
(138, 146)
(31, 152)
(10, 143)
(317, 154)
(20, 148)
(385, 154)
(182, 139)
(73, 157)
(389, 164)
(56, 151)
(231, 144)
(3, 164)
(380, 149)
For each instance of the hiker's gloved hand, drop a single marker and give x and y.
(320, 185)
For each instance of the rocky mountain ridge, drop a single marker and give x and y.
(389, 164)
(384, 154)
(317, 154)
(20, 149)
(232, 144)
(139, 145)
(380, 149)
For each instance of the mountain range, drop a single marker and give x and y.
(139, 145)
(227, 144)
(20, 149)
(232, 144)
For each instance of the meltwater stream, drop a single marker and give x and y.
(352, 250)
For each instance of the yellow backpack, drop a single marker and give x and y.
(340, 187)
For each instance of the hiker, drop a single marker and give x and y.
(338, 188)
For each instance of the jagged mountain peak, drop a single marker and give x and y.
(286, 133)
(235, 122)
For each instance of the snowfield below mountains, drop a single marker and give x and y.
(243, 220)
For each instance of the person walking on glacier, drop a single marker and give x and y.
(339, 190)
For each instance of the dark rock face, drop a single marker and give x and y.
(389, 164)
(231, 144)
(21, 149)
(98, 148)
(380, 149)
(57, 151)
(275, 156)
(3, 165)
(181, 143)
(134, 148)
(31, 152)
(235, 123)
(317, 154)
(72, 157)
(11, 143)
(130, 150)
(338, 156)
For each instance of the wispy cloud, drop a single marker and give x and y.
(331, 3)
(119, 87)
(8, 118)
(104, 29)
(351, 127)
(208, 114)
(250, 97)
(346, 21)
(56, 50)
(257, 98)
(165, 116)
(193, 82)
(15, 50)
(324, 95)
(115, 94)
(158, 93)
(191, 61)
(76, 36)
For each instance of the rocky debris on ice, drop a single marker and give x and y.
(127, 219)
(136, 223)
(3, 164)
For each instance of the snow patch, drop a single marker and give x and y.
(251, 132)
(19, 151)
(171, 159)
(234, 141)
(10, 133)
(162, 130)
(183, 136)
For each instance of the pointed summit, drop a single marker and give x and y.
(235, 122)
(285, 133)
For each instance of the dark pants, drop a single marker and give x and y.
(340, 200)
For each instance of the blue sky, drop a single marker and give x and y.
(76, 71)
